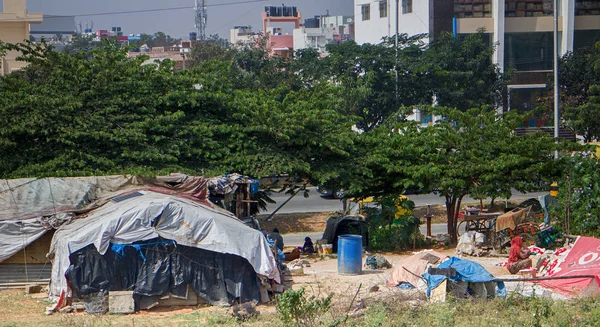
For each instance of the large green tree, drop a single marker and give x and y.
(99, 112)
(468, 152)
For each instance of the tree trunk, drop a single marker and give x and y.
(450, 208)
(453, 204)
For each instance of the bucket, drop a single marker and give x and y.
(327, 248)
(350, 254)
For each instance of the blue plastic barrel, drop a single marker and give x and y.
(350, 254)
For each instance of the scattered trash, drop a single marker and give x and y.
(244, 311)
(470, 243)
(377, 261)
(406, 286)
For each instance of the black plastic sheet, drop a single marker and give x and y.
(158, 267)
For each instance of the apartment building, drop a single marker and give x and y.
(14, 28)
(521, 29)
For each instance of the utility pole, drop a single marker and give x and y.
(396, 62)
(201, 18)
(556, 89)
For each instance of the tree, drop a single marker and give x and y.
(579, 194)
(468, 152)
(585, 119)
(461, 73)
(100, 112)
(580, 87)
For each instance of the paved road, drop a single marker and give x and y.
(297, 239)
(316, 203)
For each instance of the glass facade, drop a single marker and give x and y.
(528, 51)
(587, 7)
(585, 38)
(528, 8)
(472, 8)
(527, 99)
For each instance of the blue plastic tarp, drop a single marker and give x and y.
(466, 271)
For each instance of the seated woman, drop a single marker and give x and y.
(308, 247)
(518, 258)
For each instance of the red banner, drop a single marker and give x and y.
(583, 259)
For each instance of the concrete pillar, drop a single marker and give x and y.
(567, 11)
(498, 36)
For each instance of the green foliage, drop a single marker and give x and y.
(579, 194)
(294, 308)
(584, 119)
(470, 152)
(388, 232)
(100, 112)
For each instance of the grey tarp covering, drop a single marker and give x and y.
(153, 215)
(32, 201)
(15, 235)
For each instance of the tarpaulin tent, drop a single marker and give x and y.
(135, 218)
(582, 260)
(410, 269)
(470, 279)
(32, 206)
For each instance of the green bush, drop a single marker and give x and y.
(294, 307)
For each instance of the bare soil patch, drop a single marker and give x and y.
(296, 222)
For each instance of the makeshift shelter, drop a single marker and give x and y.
(344, 225)
(149, 236)
(410, 269)
(468, 279)
(583, 259)
(33, 206)
(154, 243)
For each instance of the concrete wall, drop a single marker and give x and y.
(373, 30)
(14, 28)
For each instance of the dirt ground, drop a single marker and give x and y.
(320, 278)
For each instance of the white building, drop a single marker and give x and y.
(377, 19)
(521, 29)
(241, 35)
(320, 31)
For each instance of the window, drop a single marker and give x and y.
(383, 8)
(366, 12)
(406, 6)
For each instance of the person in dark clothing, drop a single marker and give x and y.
(276, 238)
(308, 247)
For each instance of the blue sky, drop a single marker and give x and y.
(178, 23)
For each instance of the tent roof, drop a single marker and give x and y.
(583, 259)
(149, 215)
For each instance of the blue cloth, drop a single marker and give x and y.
(280, 253)
(466, 271)
(405, 286)
(120, 248)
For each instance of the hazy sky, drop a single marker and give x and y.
(178, 23)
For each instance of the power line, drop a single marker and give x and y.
(161, 9)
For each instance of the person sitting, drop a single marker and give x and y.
(276, 238)
(518, 258)
(308, 247)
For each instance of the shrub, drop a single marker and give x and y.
(294, 307)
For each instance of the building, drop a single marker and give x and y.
(279, 43)
(521, 29)
(320, 31)
(59, 27)
(14, 28)
(242, 35)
